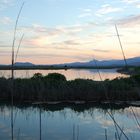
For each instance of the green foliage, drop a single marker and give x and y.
(55, 77)
(37, 76)
(55, 87)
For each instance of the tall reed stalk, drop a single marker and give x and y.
(77, 132)
(109, 113)
(40, 123)
(18, 47)
(73, 131)
(124, 57)
(12, 72)
(133, 80)
(105, 134)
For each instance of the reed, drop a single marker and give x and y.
(40, 123)
(106, 134)
(122, 50)
(133, 80)
(12, 72)
(106, 95)
(18, 47)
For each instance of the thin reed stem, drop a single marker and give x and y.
(40, 123)
(105, 134)
(73, 131)
(77, 132)
(118, 126)
(133, 80)
(121, 46)
(19, 47)
(110, 114)
(137, 121)
(12, 73)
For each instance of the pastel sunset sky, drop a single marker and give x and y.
(60, 31)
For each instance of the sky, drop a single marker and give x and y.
(63, 31)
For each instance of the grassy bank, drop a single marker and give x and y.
(55, 87)
(130, 70)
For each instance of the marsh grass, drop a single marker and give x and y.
(55, 87)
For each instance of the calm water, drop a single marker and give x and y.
(67, 123)
(63, 122)
(70, 74)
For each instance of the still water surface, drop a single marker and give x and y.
(70, 74)
(64, 122)
(67, 123)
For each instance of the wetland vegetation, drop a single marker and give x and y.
(55, 87)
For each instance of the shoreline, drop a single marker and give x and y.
(78, 102)
(75, 103)
(133, 103)
(38, 67)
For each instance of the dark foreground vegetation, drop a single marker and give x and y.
(129, 70)
(55, 87)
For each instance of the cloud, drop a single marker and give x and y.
(85, 13)
(59, 55)
(45, 41)
(130, 1)
(4, 54)
(104, 122)
(106, 9)
(136, 3)
(71, 42)
(39, 29)
(6, 20)
(74, 29)
(87, 10)
(4, 46)
(42, 29)
(130, 113)
(130, 21)
(6, 3)
(99, 50)
(59, 30)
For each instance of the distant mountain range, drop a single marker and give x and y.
(104, 63)
(23, 64)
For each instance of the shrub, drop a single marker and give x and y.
(55, 77)
(37, 76)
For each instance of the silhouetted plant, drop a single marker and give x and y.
(55, 87)
(55, 77)
(37, 76)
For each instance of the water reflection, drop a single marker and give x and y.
(70, 74)
(64, 122)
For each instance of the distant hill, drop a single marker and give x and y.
(27, 64)
(104, 63)
(131, 61)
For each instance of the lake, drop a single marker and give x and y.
(77, 122)
(68, 122)
(70, 74)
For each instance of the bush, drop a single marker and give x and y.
(55, 77)
(37, 76)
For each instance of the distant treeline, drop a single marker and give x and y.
(55, 87)
(129, 70)
(57, 67)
